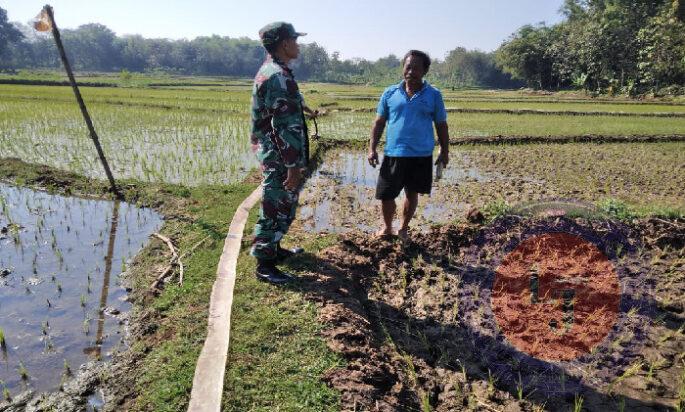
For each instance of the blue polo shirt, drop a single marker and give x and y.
(410, 120)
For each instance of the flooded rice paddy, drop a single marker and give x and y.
(61, 302)
(340, 195)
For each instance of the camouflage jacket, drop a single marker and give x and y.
(277, 118)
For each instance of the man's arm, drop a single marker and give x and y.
(288, 126)
(287, 120)
(444, 139)
(440, 119)
(376, 133)
(311, 113)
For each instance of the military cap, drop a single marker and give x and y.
(272, 33)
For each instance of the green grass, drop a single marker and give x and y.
(357, 126)
(586, 106)
(477, 124)
(263, 372)
(276, 358)
(117, 79)
(530, 104)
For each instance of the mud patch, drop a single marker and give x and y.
(340, 196)
(416, 324)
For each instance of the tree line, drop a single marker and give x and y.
(94, 47)
(607, 46)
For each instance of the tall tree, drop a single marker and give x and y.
(526, 56)
(662, 48)
(8, 34)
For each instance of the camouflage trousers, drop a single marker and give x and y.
(278, 207)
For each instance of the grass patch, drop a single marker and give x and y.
(276, 357)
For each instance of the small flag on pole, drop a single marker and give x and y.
(42, 21)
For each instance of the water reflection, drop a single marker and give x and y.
(340, 195)
(57, 252)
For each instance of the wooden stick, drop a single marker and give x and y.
(170, 245)
(175, 260)
(183, 256)
(79, 100)
(174, 257)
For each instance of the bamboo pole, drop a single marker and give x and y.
(79, 100)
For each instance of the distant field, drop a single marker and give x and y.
(194, 130)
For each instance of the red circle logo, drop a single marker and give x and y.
(555, 296)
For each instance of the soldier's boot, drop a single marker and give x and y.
(283, 253)
(268, 272)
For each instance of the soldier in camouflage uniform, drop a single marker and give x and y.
(279, 138)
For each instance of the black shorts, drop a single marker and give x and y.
(414, 174)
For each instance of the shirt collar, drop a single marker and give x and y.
(274, 59)
(423, 87)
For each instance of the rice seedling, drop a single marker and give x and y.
(3, 343)
(48, 345)
(680, 405)
(577, 403)
(632, 370)
(491, 383)
(23, 373)
(403, 278)
(656, 365)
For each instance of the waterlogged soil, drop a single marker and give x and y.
(340, 196)
(418, 324)
(61, 303)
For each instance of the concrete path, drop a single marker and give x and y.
(208, 383)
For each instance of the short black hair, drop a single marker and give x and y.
(418, 53)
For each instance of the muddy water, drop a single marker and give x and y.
(340, 195)
(60, 298)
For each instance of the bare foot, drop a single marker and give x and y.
(384, 233)
(403, 234)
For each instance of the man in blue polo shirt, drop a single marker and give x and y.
(410, 109)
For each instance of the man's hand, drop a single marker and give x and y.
(443, 157)
(312, 114)
(373, 158)
(292, 181)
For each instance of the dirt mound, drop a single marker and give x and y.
(417, 327)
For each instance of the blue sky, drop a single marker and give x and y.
(355, 28)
